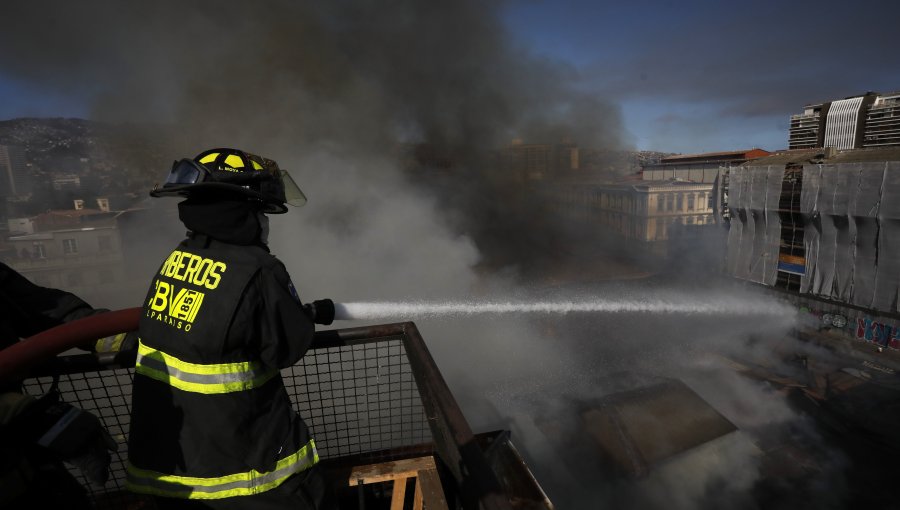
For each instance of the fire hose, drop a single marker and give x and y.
(18, 359)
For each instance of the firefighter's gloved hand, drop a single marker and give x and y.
(321, 311)
(77, 437)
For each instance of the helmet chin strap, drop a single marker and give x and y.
(264, 227)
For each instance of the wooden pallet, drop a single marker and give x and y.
(429, 494)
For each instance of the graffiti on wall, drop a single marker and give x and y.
(864, 328)
(880, 333)
(827, 319)
(835, 320)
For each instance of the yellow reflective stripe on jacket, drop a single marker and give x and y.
(200, 378)
(109, 343)
(239, 484)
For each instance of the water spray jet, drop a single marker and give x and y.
(407, 310)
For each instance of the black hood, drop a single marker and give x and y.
(229, 221)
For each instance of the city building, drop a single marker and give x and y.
(80, 260)
(824, 226)
(868, 120)
(94, 253)
(537, 161)
(698, 167)
(14, 178)
(643, 212)
(708, 168)
(69, 182)
(807, 129)
(883, 122)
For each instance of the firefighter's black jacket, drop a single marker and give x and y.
(210, 414)
(29, 309)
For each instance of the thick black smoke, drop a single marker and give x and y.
(365, 79)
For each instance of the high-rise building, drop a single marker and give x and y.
(883, 122)
(14, 178)
(808, 128)
(868, 120)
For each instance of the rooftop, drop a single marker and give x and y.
(746, 153)
(664, 185)
(818, 155)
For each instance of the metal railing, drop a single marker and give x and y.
(364, 392)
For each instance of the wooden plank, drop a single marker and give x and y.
(417, 498)
(399, 494)
(432, 491)
(387, 471)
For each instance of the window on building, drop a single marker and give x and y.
(38, 251)
(104, 243)
(659, 203)
(680, 206)
(690, 220)
(70, 246)
(690, 200)
(670, 202)
(702, 202)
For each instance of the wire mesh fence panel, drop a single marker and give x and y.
(107, 395)
(356, 399)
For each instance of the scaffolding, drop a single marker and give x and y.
(754, 236)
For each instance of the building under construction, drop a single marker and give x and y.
(823, 225)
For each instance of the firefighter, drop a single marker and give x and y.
(37, 434)
(212, 425)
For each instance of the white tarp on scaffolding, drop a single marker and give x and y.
(851, 217)
(755, 232)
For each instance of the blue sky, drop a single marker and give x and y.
(695, 76)
(687, 76)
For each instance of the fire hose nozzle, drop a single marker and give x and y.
(321, 311)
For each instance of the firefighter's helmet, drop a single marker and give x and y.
(222, 172)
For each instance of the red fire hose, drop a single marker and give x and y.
(16, 360)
